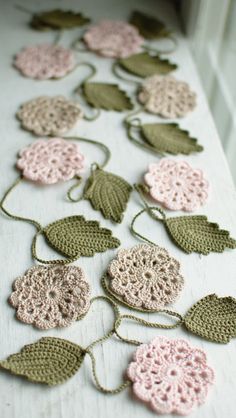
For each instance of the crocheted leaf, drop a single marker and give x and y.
(197, 234)
(106, 96)
(213, 318)
(58, 19)
(75, 237)
(49, 360)
(168, 137)
(108, 193)
(150, 27)
(145, 65)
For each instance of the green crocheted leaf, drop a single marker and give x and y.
(145, 65)
(75, 237)
(108, 193)
(197, 234)
(58, 19)
(106, 96)
(49, 360)
(149, 26)
(213, 318)
(169, 138)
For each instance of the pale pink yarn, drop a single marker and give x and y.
(49, 161)
(114, 39)
(176, 185)
(166, 96)
(51, 296)
(45, 61)
(170, 375)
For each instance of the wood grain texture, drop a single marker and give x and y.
(203, 275)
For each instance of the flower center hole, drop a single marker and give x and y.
(52, 294)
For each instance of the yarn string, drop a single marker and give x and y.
(16, 217)
(117, 72)
(107, 153)
(80, 90)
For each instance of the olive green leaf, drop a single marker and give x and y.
(213, 318)
(149, 26)
(49, 360)
(58, 19)
(197, 234)
(106, 96)
(145, 65)
(169, 138)
(108, 193)
(75, 237)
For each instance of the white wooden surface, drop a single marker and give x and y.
(204, 275)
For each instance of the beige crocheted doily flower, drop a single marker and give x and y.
(51, 296)
(49, 115)
(167, 97)
(145, 276)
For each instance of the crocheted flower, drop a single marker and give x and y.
(49, 115)
(50, 161)
(170, 375)
(146, 276)
(45, 61)
(167, 97)
(51, 296)
(114, 39)
(176, 185)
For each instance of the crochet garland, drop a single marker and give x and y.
(169, 375)
(52, 361)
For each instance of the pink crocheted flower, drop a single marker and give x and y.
(176, 185)
(49, 161)
(170, 375)
(45, 61)
(51, 296)
(114, 39)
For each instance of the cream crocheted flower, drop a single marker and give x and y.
(145, 276)
(49, 115)
(49, 161)
(170, 375)
(114, 39)
(51, 296)
(166, 96)
(45, 61)
(176, 185)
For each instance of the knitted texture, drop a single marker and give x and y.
(52, 296)
(169, 138)
(49, 115)
(75, 237)
(166, 96)
(45, 61)
(58, 19)
(108, 193)
(146, 277)
(106, 96)
(50, 161)
(113, 39)
(197, 234)
(50, 360)
(213, 318)
(176, 185)
(170, 375)
(146, 65)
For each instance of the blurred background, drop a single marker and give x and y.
(211, 28)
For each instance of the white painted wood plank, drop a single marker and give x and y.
(215, 273)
